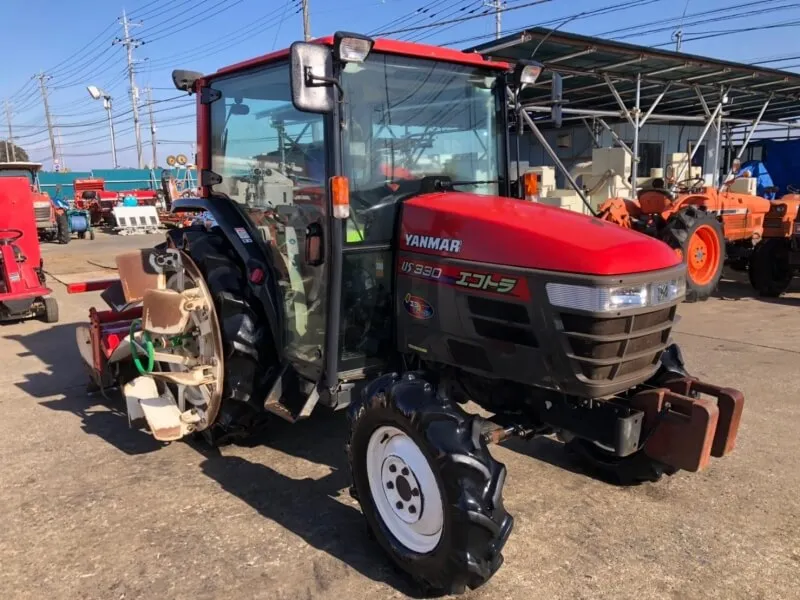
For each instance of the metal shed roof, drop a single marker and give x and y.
(692, 83)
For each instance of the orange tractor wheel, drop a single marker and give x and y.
(770, 270)
(697, 238)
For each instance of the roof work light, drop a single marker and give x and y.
(527, 72)
(351, 47)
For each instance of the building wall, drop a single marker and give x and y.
(673, 138)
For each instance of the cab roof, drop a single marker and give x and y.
(397, 47)
(25, 165)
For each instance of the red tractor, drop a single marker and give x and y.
(401, 298)
(52, 223)
(23, 293)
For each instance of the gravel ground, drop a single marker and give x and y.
(93, 509)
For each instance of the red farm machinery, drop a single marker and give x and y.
(410, 282)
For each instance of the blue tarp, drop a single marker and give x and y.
(782, 161)
(757, 169)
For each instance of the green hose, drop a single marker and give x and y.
(148, 345)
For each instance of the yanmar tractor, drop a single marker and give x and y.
(706, 227)
(407, 285)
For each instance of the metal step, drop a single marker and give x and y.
(290, 406)
(163, 417)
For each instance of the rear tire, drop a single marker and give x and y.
(62, 223)
(698, 237)
(50, 310)
(770, 272)
(453, 540)
(243, 336)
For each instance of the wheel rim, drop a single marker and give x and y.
(404, 489)
(702, 256)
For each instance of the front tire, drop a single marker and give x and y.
(50, 310)
(404, 439)
(636, 468)
(698, 238)
(770, 272)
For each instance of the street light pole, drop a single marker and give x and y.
(107, 106)
(96, 93)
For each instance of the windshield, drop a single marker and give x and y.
(408, 118)
(18, 173)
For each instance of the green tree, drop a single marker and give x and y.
(10, 151)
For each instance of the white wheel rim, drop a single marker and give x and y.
(404, 489)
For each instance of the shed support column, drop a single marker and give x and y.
(750, 132)
(636, 126)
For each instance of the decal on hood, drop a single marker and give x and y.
(433, 243)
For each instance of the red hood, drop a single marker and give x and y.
(517, 233)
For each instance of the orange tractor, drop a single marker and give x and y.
(776, 258)
(704, 226)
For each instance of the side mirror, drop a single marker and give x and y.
(184, 80)
(312, 77)
(314, 253)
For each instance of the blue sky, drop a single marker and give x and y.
(71, 41)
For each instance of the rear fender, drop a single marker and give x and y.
(248, 244)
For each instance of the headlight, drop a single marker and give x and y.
(615, 298)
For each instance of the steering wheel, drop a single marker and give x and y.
(685, 183)
(9, 236)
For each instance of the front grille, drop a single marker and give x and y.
(42, 213)
(775, 226)
(617, 347)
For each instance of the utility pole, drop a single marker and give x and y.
(152, 127)
(131, 44)
(678, 39)
(306, 21)
(10, 140)
(498, 6)
(42, 78)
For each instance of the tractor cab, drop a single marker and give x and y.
(368, 125)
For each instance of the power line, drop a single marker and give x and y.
(603, 10)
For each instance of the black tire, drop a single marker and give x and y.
(243, 335)
(81, 235)
(470, 482)
(64, 234)
(770, 273)
(50, 310)
(678, 232)
(638, 467)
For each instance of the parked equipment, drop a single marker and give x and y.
(80, 223)
(704, 226)
(776, 258)
(51, 222)
(23, 293)
(412, 284)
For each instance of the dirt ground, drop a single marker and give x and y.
(92, 509)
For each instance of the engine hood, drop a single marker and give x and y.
(505, 231)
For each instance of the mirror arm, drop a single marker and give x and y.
(320, 81)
